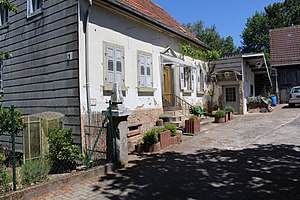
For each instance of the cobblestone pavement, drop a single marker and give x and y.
(255, 156)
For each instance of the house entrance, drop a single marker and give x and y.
(231, 97)
(168, 86)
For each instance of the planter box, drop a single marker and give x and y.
(220, 120)
(151, 147)
(230, 116)
(173, 140)
(164, 138)
(192, 126)
(254, 106)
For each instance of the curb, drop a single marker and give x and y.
(38, 190)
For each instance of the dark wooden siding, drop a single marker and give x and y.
(39, 77)
(288, 77)
(229, 63)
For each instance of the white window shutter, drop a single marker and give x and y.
(119, 69)
(192, 79)
(142, 66)
(148, 72)
(110, 65)
(198, 80)
(181, 76)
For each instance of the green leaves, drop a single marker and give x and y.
(208, 55)
(256, 34)
(4, 4)
(6, 120)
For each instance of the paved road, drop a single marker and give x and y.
(255, 156)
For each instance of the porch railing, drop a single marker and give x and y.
(174, 102)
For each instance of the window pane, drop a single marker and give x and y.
(142, 70)
(3, 16)
(119, 66)
(148, 71)
(110, 66)
(230, 94)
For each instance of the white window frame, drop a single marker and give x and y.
(145, 80)
(114, 53)
(200, 80)
(3, 17)
(1, 77)
(187, 78)
(34, 7)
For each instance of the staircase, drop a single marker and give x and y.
(176, 110)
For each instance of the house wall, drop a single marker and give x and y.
(39, 77)
(110, 26)
(249, 79)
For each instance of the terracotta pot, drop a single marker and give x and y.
(226, 117)
(164, 138)
(220, 120)
(152, 147)
(230, 116)
(173, 140)
(192, 126)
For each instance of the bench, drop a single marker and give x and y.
(197, 110)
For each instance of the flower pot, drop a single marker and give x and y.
(164, 138)
(226, 117)
(159, 123)
(152, 147)
(173, 140)
(192, 126)
(230, 116)
(220, 120)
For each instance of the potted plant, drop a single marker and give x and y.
(192, 125)
(220, 116)
(164, 136)
(159, 122)
(230, 111)
(151, 143)
(172, 128)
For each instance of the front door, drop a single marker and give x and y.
(167, 85)
(231, 97)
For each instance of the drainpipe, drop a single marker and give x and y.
(87, 70)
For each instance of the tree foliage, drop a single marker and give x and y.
(256, 34)
(211, 37)
(4, 4)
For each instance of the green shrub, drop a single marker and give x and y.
(229, 109)
(193, 117)
(220, 113)
(35, 171)
(172, 129)
(62, 151)
(150, 137)
(5, 120)
(159, 129)
(5, 180)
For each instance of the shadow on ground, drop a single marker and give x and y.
(263, 172)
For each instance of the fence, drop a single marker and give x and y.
(48, 149)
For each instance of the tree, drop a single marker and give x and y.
(256, 34)
(4, 4)
(211, 37)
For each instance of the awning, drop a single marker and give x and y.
(175, 61)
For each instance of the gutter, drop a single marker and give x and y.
(87, 70)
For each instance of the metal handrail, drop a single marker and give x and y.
(180, 104)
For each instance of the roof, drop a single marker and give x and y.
(284, 46)
(157, 15)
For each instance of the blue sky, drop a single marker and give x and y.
(229, 16)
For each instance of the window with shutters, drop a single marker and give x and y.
(34, 7)
(145, 78)
(187, 79)
(3, 17)
(200, 81)
(114, 64)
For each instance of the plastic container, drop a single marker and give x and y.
(274, 100)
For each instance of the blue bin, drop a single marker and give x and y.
(274, 100)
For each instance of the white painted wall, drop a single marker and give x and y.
(248, 77)
(133, 35)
